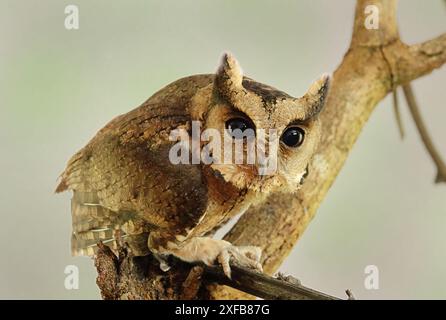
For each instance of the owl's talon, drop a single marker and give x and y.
(224, 259)
(211, 251)
(243, 256)
(164, 266)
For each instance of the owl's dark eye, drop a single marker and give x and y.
(240, 127)
(293, 136)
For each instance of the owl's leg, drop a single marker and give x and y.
(210, 251)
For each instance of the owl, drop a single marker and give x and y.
(127, 187)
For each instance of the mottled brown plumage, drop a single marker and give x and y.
(125, 187)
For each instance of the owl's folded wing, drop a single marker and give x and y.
(123, 176)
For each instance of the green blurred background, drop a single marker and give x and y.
(58, 87)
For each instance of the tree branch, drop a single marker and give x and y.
(424, 134)
(411, 62)
(117, 273)
(426, 57)
(264, 286)
(396, 110)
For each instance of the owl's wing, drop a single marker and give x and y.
(93, 222)
(123, 176)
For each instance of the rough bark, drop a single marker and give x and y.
(375, 64)
(123, 277)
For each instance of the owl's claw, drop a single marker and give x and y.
(244, 256)
(164, 266)
(210, 251)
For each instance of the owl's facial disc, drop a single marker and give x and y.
(266, 122)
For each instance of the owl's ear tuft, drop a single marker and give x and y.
(316, 96)
(229, 75)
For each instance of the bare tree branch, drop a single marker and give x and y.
(192, 284)
(350, 295)
(424, 134)
(264, 286)
(411, 62)
(396, 110)
(426, 57)
(117, 274)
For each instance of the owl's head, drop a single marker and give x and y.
(278, 133)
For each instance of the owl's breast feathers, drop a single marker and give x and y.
(123, 176)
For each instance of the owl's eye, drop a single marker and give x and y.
(240, 127)
(293, 136)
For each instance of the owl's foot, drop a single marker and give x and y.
(244, 256)
(210, 251)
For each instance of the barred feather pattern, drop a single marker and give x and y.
(93, 223)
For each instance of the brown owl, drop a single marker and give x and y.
(126, 184)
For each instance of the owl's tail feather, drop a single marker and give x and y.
(84, 247)
(92, 223)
